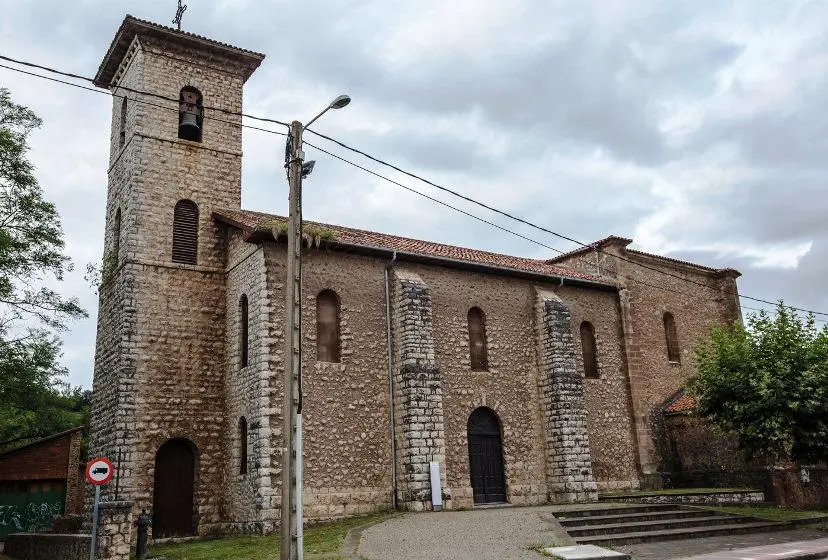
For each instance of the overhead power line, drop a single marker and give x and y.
(541, 228)
(387, 164)
(142, 101)
(478, 218)
(137, 91)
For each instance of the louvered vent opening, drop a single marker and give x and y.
(185, 232)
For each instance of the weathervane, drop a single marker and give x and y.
(180, 12)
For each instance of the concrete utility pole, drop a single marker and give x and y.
(293, 342)
(290, 546)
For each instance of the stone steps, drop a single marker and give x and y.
(677, 534)
(602, 525)
(599, 510)
(658, 525)
(636, 516)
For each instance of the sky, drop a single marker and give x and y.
(698, 128)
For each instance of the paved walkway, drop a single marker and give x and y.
(509, 533)
(816, 547)
(691, 548)
(512, 533)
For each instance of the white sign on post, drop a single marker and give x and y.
(99, 471)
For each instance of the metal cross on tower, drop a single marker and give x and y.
(178, 13)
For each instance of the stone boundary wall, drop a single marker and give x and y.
(569, 474)
(747, 497)
(39, 546)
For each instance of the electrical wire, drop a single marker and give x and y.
(137, 91)
(540, 228)
(381, 162)
(438, 201)
(142, 101)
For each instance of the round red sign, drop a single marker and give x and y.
(99, 471)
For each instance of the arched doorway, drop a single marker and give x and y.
(486, 457)
(172, 503)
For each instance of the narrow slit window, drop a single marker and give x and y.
(673, 352)
(588, 349)
(116, 237)
(185, 232)
(478, 351)
(327, 327)
(122, 131)
(242, 445)
(244, 334)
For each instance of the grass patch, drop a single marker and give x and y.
(675, 491)
(769, 513)
(319, 539)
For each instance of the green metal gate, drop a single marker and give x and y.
(27, 506)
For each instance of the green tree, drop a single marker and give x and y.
(34, 399)
(767, 384)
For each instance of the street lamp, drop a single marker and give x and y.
(291, 545)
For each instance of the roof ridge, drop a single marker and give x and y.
(422, 247)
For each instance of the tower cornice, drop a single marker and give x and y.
(131, 27)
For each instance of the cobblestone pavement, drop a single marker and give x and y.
(693, 547)
(504, 534)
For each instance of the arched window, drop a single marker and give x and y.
(244, 330)
(673, 353)
(242, 445)
(478, 353)
(185, 232)
(327, 327)
(116, 237)
(122, 132)
(589, 350)
(190, 114)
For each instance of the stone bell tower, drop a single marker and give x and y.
(175, 157)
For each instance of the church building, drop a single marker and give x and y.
(528, 381)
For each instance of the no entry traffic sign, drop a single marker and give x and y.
(99, 471)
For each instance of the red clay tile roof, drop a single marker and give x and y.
(626, 241)
(132, 26)
(253, 222)
(591, 247)
(682, 403)
(688, 263)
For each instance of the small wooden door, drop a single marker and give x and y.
(486, 457)
(172, 507)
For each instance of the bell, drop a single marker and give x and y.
(188, 128)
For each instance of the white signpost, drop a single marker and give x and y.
(99, 471)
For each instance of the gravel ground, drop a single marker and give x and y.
(694, 547)
(507, 533)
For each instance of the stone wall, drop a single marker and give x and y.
(347, 441)
(115, 530)
(253, 497)
(160, 355)
(39, 546)
(347, 444)
(735, 497)
(696, 296)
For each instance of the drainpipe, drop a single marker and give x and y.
(391, 383)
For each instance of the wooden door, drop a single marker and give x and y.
(486, 457)
(172, 511)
